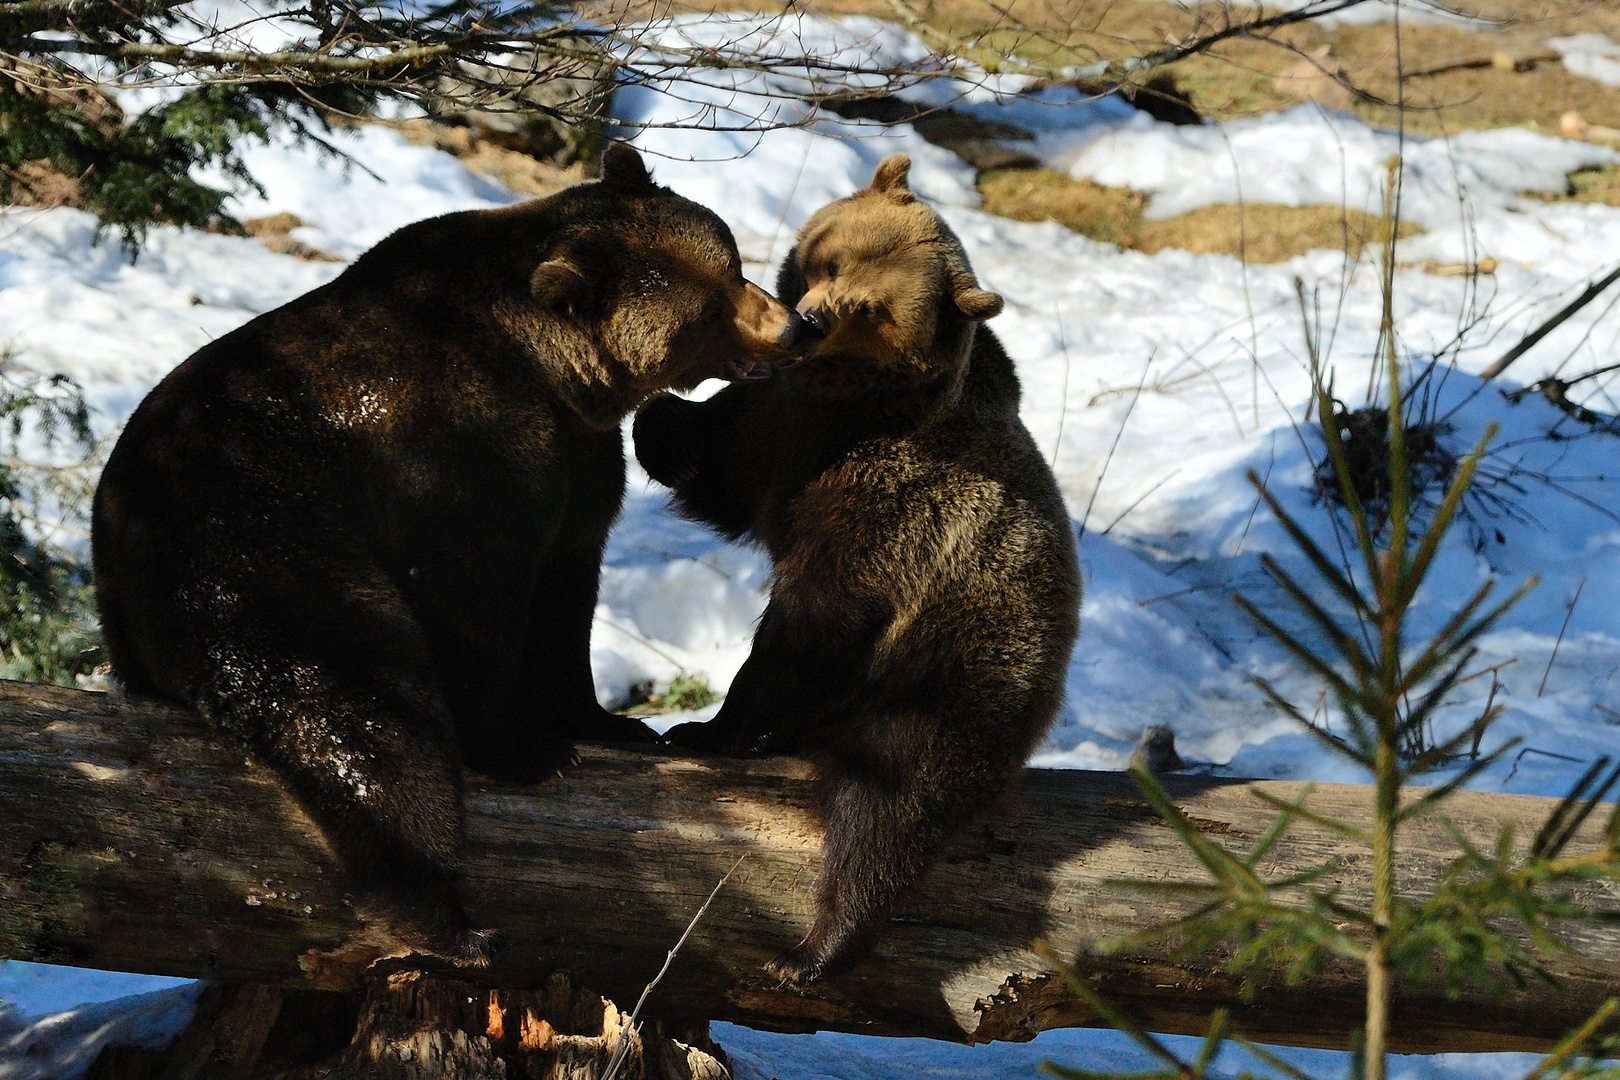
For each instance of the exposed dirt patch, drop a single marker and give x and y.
(518, 171)
(37, 184)
(1257, 232)
(275, 233)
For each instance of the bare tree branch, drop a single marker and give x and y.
(497, 54)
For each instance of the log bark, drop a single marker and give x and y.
(133, 837)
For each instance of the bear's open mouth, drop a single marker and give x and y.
(749, 368)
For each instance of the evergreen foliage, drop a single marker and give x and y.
(64, 138)
(135, 172)
(48, 628)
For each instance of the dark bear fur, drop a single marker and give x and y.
(362, 533)
(926, 592)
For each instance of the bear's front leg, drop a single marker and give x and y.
(759, 717)
(669, 440)
(558, 687)
(715, 455)
(739, 738)
(797, 674)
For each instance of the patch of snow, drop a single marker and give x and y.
(1593, 55)
(1307, 157)
(764, 1055)
(70, 302)
(36, 990)
(55, 1020)
(349, 206)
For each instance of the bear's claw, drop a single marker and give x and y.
(473, 948)
(692, 735)
(796, 967)
(703, 735)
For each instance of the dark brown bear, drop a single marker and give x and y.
(926, 593)
(362, 533)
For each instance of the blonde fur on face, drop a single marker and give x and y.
(889, 278)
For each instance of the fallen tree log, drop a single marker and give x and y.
(135, 839)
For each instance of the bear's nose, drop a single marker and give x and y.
(801, 332)
(820, 324)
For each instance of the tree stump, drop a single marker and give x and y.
(417, 1026)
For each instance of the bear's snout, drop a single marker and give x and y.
(798, 335)
(818, 321)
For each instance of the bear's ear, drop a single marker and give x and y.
(790, 283)
(890, 177)
(623, 167)
(976, 303)
(558, 285)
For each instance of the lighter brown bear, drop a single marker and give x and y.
(362, 533)
(926, 593)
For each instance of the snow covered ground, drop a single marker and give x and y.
(758, 1055)
(1154, 382)
(55, 1020)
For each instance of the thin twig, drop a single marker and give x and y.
(639, 640)
(1140, 383)
(1544, 753)
(1568, 614)
(628, 1031)
(1140, 500)
(1063, 400)
(1530, 339)
(1271, 461)
(1527, 62)
(1243, 275)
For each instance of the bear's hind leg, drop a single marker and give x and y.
(892, 790)
(873, 847)
(334, 689)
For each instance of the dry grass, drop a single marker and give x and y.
(1239, 77)
(1479, 97)
(1599, 185)
(1259, 232)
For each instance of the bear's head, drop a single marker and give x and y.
(643, 291)
(885, 281)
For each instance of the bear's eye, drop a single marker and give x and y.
(832, 269)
